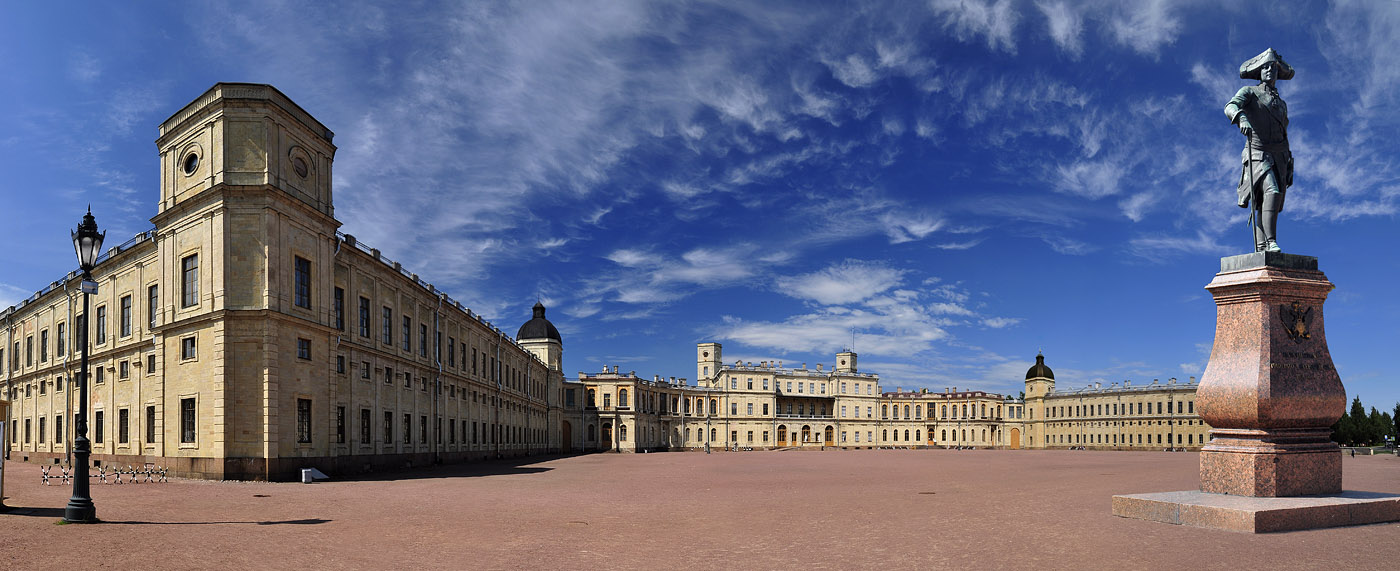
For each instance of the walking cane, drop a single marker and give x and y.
(1253, 230)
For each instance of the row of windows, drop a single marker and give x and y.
(1115, 409)
(1127, 439)
(99, 426)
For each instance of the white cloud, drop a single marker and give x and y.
(1065, 26)
(1145, 26)
(994, 20)
(1155, 247)
(1000, 322)
(847, 282)
(1090, 179)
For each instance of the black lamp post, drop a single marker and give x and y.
(87, 241)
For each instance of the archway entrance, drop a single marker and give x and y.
(782, 435)
(566, 437)
(1015, 439)
(830, 436)
(606, 443)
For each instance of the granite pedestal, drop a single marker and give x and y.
(1270, 394)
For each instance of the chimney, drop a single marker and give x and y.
(1193, 379)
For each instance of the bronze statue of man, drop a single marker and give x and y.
(1267, 164)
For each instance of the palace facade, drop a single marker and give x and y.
(246, 337)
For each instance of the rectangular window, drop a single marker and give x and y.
(304, 421)
(187, 348)
(150, 424)
(750, 385)
(750, 409)
(58, 429)
(388, 427)
(152, 305)
(340, 424)
(124, 319)
(407, 428)
(58, 383)
(101, 374)
(123, 426)
(41, 429)
(189, 280)
(387, 324)
(364, 426)
(473, 359)
(304, 349)
(44, 346)
(97, 426)
(28, 428)
(388, 375)
(124, 370)
(340, 364)
(423, 340)
(101, 324)
(407, 333)
(338, 308)
(60, 342)
(302, 282)
(364, 317)
(187, 420)
(451, 352)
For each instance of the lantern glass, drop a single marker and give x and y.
(87, 242)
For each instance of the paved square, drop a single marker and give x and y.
(898, 509)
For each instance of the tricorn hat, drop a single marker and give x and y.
(1250, 68)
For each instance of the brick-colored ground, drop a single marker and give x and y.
(749, 510)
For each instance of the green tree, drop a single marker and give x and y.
(1395, 420)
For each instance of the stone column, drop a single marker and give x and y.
(1270, 392)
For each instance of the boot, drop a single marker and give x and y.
(1260, 240)
(1268, 217)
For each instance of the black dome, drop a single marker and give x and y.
(1039, 370)
(538, 327)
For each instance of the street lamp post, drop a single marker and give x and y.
(87, 241)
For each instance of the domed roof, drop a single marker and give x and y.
(538, 327)
(1039, 370)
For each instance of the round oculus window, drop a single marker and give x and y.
(299, 165)
(190, 163)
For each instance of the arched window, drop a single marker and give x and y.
(884, 411)
(906, 435)
(622, 398)
(984, 410)
(964, 411)
(918, 435)
(906, 411)
(918, 411)
(714, 435)
(622, 432)
(945, 411)
(714, 408)
(592, 398)
(943, 435)
(884, 435)
(592, 433)
(687, 411)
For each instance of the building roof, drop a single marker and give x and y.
(1039, 370)
(538, 327)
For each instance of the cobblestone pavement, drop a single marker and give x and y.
(894, 509)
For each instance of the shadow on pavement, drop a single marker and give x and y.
(312, 521)
(467, 469)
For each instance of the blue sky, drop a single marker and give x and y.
(957, 183)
